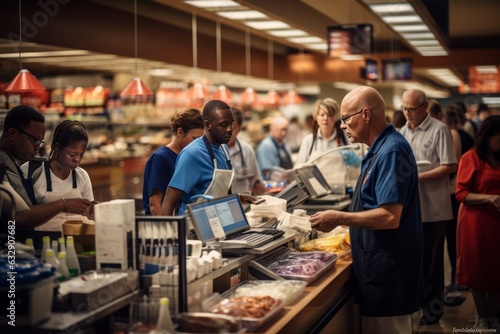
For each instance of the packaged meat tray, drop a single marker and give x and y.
(305, 266)
(252, 311)
(287, 291)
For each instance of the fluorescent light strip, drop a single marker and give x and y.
(486, 69)
(213, 4)
(410, 27)
(420, 35)
(425, 42)
(310, 39)
(392, 8)
(321, 46)
(62, 53)
(243, 15)
(402, 19)
(429, 48)
(267, 25)
(287, 33)
(434, 53)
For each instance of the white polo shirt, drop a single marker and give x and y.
(432, 141)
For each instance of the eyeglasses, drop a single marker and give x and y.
(411, 110)
(36, 141)
(344, 120)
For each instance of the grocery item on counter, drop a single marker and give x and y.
(306, 266)
(335, 243)
(286, 291)
(247, 307)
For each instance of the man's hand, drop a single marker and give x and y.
(325, 221)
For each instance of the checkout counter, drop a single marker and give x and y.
(325, 305)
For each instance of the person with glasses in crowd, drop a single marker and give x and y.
(432, 145)
(384, 218)
(60, 177)
(21, 139)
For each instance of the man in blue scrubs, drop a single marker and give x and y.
(384, 219)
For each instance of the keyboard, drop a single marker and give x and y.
(255, 240)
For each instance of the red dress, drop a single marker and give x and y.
(478, 229)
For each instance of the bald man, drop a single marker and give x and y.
(272, 151)
(384, 219)
(431, 140)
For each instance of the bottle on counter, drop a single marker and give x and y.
(29, 242)
(51, 259)
(72, 258)
(45, 247)
(62, 245)
(164, 322)
(63, 268)
(55, 247)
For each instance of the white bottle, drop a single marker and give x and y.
(51, 259)
(45, 247)
(55, 247)
(164, 322)
(63, 268)
(71, 258)
(62, 245)
(29, 242)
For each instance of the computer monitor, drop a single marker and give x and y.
(218, 218)
(313, 180)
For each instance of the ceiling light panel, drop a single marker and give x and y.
(486, 69)
(402, 19)
(424, 42)
(287, 33)
(267, 25)
(319, 46)
(207, 4)
(410, 27)
(242, 15)
(396, 8)
(417, 36)
(310, 39)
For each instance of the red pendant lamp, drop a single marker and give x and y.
(136, 87)
(249, 97)
(24, 80)
(224, 94)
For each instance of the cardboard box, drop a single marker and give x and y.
(115, 234)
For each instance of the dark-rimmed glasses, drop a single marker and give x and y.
(412, 110)
(344, 120)
(36, 141)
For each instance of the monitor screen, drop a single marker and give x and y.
(354, 39)
(314, 181)
(397, 69)
(224, 213)
(371, 70)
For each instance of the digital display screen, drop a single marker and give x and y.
(397, 69)
(355, 39)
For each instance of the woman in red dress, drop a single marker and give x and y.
(478, 231)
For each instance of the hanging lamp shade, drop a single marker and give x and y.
(291, 97)
(249, 97)
(224, 94)
(24, 82)
(272, 99)
(136, 88)
(198, 92)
